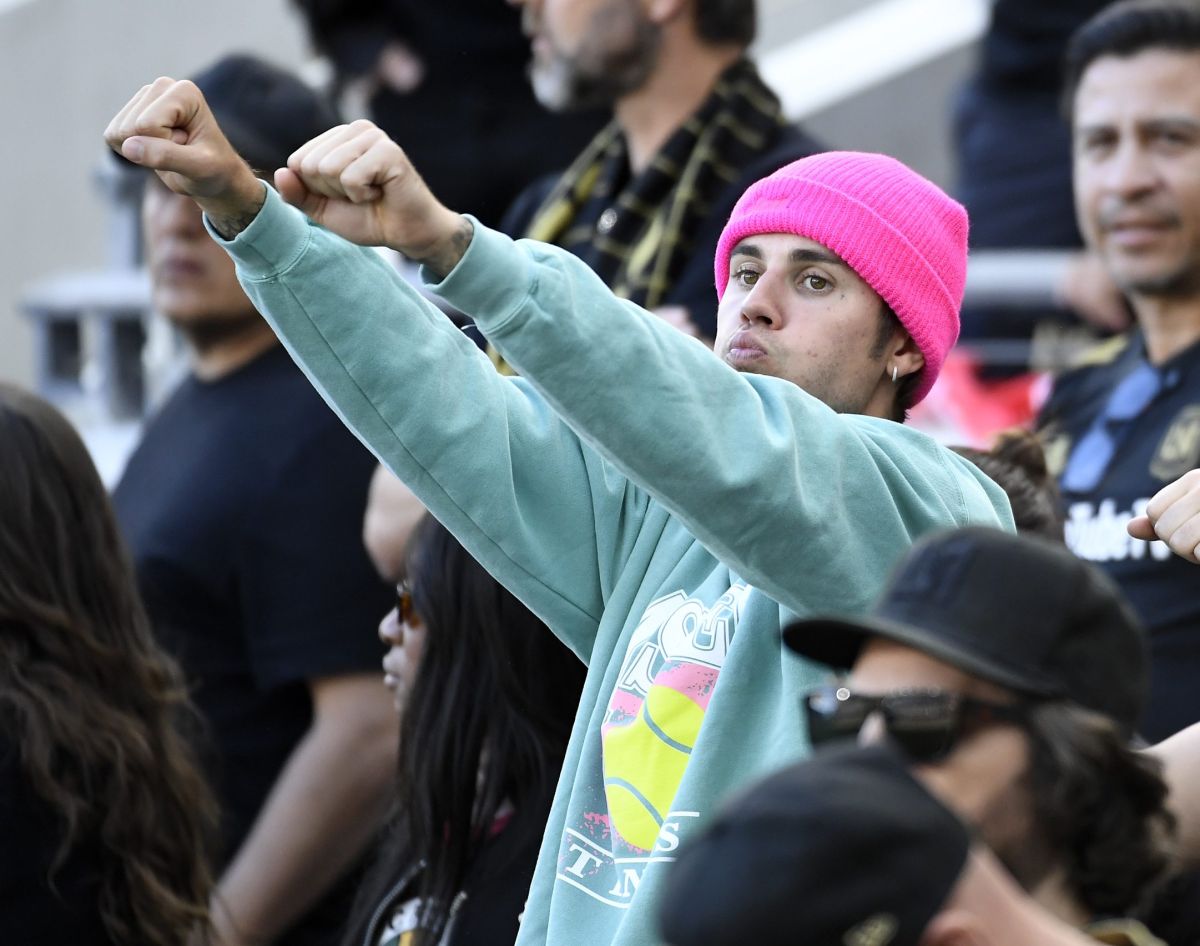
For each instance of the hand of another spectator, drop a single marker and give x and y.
(1088, 290)
(1173, 515)
(399, 68)
(357, 182)
(679, 317)
(168, 127)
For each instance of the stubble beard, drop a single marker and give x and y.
(207, 333)
(1183, 282)
(599, 76)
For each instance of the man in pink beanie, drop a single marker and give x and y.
(661, 508)
(869, 225)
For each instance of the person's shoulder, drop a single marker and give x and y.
(521, 211)
(287, 422)
(281, 391)
(1089, 377)
(791, 143)
(1103, 353)
(915, 461)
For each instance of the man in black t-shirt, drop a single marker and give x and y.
(243, 506)
(1127, 421)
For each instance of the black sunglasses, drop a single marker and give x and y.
(925, 724)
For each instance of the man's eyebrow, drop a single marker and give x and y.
(816, 256)
(1155, 123)
(1171, 123)
(805, 255)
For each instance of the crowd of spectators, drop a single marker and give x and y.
(688, 636)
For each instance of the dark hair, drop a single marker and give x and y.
(906, 387)
(724, 22)
(1101, 806)
(1017, 462)
(486, 722)
(88, 699)
(1128, 28)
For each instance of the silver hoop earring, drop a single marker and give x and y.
(895, 371)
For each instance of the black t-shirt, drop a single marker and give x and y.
(243, 509)
(488, 909)
(1154, 449)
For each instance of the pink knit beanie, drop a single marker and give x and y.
(901, 233)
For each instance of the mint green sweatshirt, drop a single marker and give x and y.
(664, 514)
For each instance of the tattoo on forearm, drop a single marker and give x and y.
(230, 226)
(444, 256)
(230, 221)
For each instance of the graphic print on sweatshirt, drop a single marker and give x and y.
(651, 724)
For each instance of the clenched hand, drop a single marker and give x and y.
(353, 179)
(1173, 515)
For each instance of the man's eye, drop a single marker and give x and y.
(1174, 139)
(816, 283)
(747, 277)
(1097, 144)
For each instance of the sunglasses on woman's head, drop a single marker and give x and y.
(925, 724)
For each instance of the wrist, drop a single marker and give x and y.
(441, 252)
(235, 209)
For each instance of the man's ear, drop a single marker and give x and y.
(956, 928)
(905, 355)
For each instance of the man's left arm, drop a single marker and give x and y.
(326, 806)
(769, 478)
(766, 476)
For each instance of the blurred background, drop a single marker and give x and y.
(864, 74)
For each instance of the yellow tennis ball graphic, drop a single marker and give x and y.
(644, 762)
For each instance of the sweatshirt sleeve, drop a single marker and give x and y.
(767, 477)
(485, 454)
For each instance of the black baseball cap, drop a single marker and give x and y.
(266, 112)
(1019, 611)
(846, 847)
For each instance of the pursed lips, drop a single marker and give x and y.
(743, 347)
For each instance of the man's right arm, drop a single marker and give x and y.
(540, 510)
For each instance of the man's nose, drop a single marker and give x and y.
(1132, 171)
(761, 305)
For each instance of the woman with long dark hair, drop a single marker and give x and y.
(105, 817)
(487, 698)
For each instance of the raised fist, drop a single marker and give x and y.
(168, 127)
(352, 179)
(357, 182)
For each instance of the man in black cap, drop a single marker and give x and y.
(1012, 674)
(242, 506)
(847, 849)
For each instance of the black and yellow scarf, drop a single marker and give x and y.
(637, 234)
